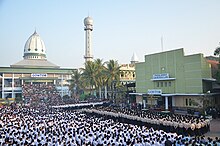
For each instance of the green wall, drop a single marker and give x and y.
(185, 72)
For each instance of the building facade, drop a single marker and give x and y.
(33, 69)
(171, 80)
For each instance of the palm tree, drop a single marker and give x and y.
(217, 53)
(100, 76)
(89, 75)
(113, 74)
(76, 84)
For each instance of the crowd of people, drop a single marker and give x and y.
(44, 95)
(169, 122)
(42, 124)
(38, 95)
(49, 127)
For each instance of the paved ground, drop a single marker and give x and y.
(214, 129)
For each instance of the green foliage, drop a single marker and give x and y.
(18, 99)
(76, 82)
(83, 97)
(217, 53)
(217, 75)
(94, 76)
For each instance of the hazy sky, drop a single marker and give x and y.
(121, 27)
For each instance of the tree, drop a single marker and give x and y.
(89, 75)
(100, 75)
(113, 74)
(97, 74)
(76, 83)
(217, 53)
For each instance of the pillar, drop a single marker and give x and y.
(144, 103)
(3, 85)
(166, 102)
(62, 85)
(13, 82)
(106, 92)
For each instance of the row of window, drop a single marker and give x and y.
(127, 75)
(188, 102)
(164, 84)
(30, 57)
(35, 50)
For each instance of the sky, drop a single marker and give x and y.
(121, 28)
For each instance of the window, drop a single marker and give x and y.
(165, 84)
(161, 84)
(133, 75)
(122, 74)
(190, 102)
(169, 84)
(158, 84)
(186, 102)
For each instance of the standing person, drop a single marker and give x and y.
(168, 142)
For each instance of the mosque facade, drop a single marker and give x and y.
(172, 80)
(33, 69)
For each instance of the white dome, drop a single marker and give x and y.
(88, 21)
(34, 47)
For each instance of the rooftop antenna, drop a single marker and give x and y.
(161, 41)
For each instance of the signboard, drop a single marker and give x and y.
(38, 75)
(161, 76)
(154, 91)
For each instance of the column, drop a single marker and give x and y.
(22, 81)
(54, 80)
(62, 86)
(166, 102)
(3, 85)
(13, 82)
(144, 103)
(106, 92)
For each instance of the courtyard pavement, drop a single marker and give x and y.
(214, 128)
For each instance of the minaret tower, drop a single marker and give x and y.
(88, 23)
(134, 59)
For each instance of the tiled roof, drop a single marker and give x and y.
(43, 63)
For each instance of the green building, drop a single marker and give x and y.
(171, 80)
(33, 69)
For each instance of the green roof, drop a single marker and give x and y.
(36, 70)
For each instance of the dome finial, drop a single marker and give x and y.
(35, 30)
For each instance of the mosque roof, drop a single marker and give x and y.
(35, 54)
(34, 47)
(38, 63)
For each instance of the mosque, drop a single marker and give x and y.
(33, 69)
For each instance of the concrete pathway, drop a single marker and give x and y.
(214, 129)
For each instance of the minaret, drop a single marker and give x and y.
(88, 22)
(134, 59)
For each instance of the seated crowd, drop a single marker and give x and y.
(25, 126)
(43, 95)
(39, 95)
